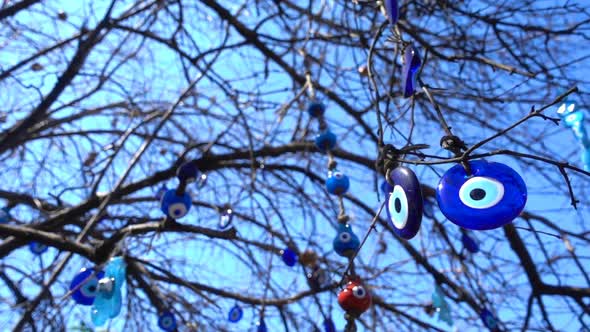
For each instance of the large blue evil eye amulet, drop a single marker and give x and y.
(108, 301)
(175, 206)
(84, 286)
(346, 243)
(405, 203)
(235, 314)
(187, 172)
(316, 109)
(167, 322)
(325, 141)
(492, 196)
(337, 183)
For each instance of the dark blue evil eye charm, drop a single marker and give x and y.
(316, 109)
(386, 188)
(410, 69)
(337, 183)
(188, 172)
(392, 10)
(489, 320)
(175, 206)
(325, 141)
(84, 286)
(346, 243)
(469, 243)
(289, 257)
(5, 215)
(329, 325)
(491, 197)
(261, 326)
(160, 193)
(225, 220)
(235, 314)
(404, 205)
(37, 248)
(167, 322)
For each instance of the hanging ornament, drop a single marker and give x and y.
(329, 325)
(325, 141)
(316, 109)
(354, 298)
(84, 286)
(392, 10)
(441, 306)
(261, 326)
(235, 314)
(404, 205)
(187, 172)
(175, 206)
(316, 278)
(308, 258)
(410, 70)
(489, 320)
(225, 221)
(289, 256)
(575, 119)
(346, 243)
(167, 322)
(469, 243)
(37, 248)
(5, 215)
(108, 300)
(337, 183)
(491, 197)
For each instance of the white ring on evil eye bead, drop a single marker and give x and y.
(344, 237)
(493, 189)
(181, 208)
(359, 292)
(84, 289)
(399, 219)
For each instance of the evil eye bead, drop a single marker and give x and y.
(489, 320)
(175, 206)
(392, 10)
(235, 314)
(469, 243)
(325, 141)
(316, 109)
(187, 172)
(354, 299)
(167, 322)
(491, 197)
(225, 221)
(405, 203)
(289, 257)
(410, 69)
(37, 248)
(84, 286)
(346, 243)
(329, 325)
(337, 183)
(261, 326)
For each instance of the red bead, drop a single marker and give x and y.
(354, 298)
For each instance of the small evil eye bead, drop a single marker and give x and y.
(175, 206)
(84, 286)
(235, 314)
(167, 322)
(329, 325)
(316, 109)
(392, 10)
(289, 257)
(405, 204)
(386, 188)
(325, 141)
(346, 243)
(489, 320)
(354, 298)
(337, 183)
(469, 243)
(188, 172)
(261, 326)
(410, 70)
(492, 196)
(37, 248)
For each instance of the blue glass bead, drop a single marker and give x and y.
(469, 243)
(261, 326)
(491, 197)
(337, 183)
(235, 314)
(346, 243)
(404, 205)
(489, 320)
(392, 10)
(161, 192)
(225, 221)
(410, 69)
(329, 325)
(108, 301)
(5, 215)
(325, 141)
(37, 248)
(289, 257)
(316, 109)
(386, 188)
(175, 206)
(84, 287)
(167, 322)
(188, 172)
